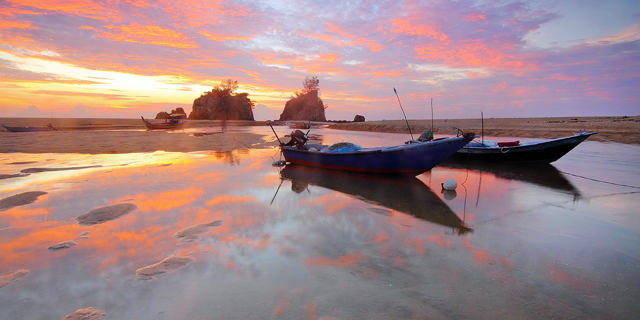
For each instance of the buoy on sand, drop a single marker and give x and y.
(450, 184)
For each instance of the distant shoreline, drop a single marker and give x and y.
(616, 129)
(113, 136)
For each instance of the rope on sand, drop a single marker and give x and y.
(602, 181)
(622, 144)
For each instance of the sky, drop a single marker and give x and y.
(132, 58)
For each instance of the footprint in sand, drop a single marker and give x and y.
(104, 214)
(381, 211)
(190, 234)
(20, 199)
(85, 314)
(9, 278)
(170, 263)
(63, 245)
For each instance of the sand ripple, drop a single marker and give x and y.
(190, 234)
(170, 263)
(9, 278)
(63, 245)
(86, 314)
(104, 214)
(20, 199)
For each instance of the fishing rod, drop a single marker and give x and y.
(405, 116)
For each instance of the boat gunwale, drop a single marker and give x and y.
(364, 151)
(530, 145)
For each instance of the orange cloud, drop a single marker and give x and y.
(473, 54)
(7, 24)
(344, 38)
(137, 33)
(222, 37)
(406, 26)
(475, 17)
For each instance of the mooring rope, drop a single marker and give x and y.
(621, 144)
(602, 181)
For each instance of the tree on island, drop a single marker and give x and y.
(305, 104)
(222, 103)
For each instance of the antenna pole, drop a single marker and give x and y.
(482, 116)
(431, 115)
(405, 116)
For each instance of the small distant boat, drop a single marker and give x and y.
(414, 157)
(173, 122)
(30, 129)
(545, 151)
(300, 125)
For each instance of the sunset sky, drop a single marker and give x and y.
(127, 58)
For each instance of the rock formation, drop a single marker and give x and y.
(220, 107)
(307, 107)
(358, 118)
(177, 111)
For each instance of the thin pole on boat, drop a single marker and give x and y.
(482, 117)
(405, 116)
(274, 132)
(431, 115)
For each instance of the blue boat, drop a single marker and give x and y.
(414, 157)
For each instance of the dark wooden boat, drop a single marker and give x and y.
(30, 129)
(170, 123)
(414, 157)
(545, 151)
(405, 194)
(300, 126)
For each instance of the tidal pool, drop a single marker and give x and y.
(561, 241)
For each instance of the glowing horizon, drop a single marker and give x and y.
(513, 59)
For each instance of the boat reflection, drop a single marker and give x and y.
(405, 194)
(544, 175)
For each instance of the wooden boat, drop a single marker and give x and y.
(545, 151)
(414, 157)
(30, 129)
(404, 194)
(170, 123)
(300, 126)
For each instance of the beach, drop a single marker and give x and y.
(116, 136)
(215, 231)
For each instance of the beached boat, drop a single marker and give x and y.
(170, 123)
(299, 125)
(414, 157)
(545, 151)
(30, 129)
(404, 194)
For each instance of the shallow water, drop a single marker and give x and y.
(513, 242)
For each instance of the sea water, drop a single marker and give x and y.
(562, 241)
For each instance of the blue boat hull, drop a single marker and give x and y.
(413, 158)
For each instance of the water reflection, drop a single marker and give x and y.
(400, 193)
(206, 240)
(544, 175)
